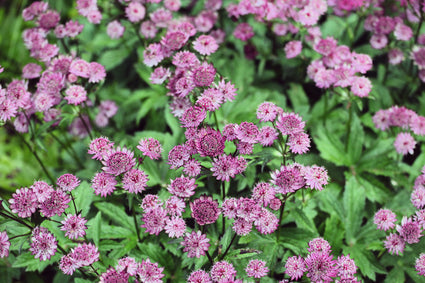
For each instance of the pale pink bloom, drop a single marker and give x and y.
(295, 267)
(404, 143)
(293, 49)
(195, 244)
(118, 160)
(182, 187)
(23, 202)
(103, 184)
(154, 220)
(361, 86)
(243, 31)
(403, 32)
(205, 45)
(135, 12)
(385, 219)
(256, 268)
(223, 271)
(394, 244)
(75, 94)
(204, 210)
(378, 41)
(175, 227)
(74, 226)
(43, 244)
(4, 244)
(199, 276)
(115, 29)
(420, 264)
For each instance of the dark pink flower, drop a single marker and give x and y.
(385, 219)
(74, 226)
(256, 268)
(205, 210)
(195, 244)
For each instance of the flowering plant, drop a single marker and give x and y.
(213, 141)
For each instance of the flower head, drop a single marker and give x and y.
(43, 243)
(23, 202)
(195, 244)
(256, 268)
(74, 226)
(384, 219)
(118, 161)
(205, 210)
(134, 181)
(4, 244)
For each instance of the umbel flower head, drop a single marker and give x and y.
(118, 161)
(205, 210)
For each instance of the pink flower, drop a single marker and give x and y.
(100, 147)
(149, 272)
(42, 190)
(320, 267)
(378, 41)
(118, 161)
(4, 244)
(204, 210)
(267, 135)
(159, 75)
(290, 123)
(67, 182)
(134, 181)
(154, 220)
(266, 222)
(409, 230)
(315, 177)
(381, 119)
(223, 271)
(227, 89)
(112, 275)
(84, 255)
(293, 49)
(224, 167)
(404, 143)
(247, 132)
(175, 227)
(287, 179)
(243, 31)
(326, 46)
(182, 187)
(420, 264)
(295, 267)
(195, 244)
(319, 245)
(74, 226)
(346, 266)
(418, 197)
(361, 86)
(135, 12)
(115, 29)
(299, 143)
(384, 219)
(402, 32)
(96, 72)
(209, 142)
(263, 193)
(256, 268)
(193, 117)
(394, 244)
(205, 45)
(174, 40)
(31, 71)
(178, 156)
(211, 99)
(150, 147)
(204, 75)
(103, 184)
(80, 68)
(267, 112)
(55, 204)
(199, 276)
(43, 244)
(192, 168)
(153, 54)
(75, 94)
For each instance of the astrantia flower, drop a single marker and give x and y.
(385, 219)
(256, 268)
(193, 117)
(55, 204)
(67, 182)
(295, 267)
(150, 202)
(153, 54)
(290, 123)
(4, 244)
(112, 275)
(381, 119)
(183, 187)
(404, 143)
(211, 99)
(394, 244)
(266, 222)
(222, 271)
(103, 184)
(267, 111)
(293, 49)
(135, 12)
(205, 45)
(175, 227)
(243, 31)
(418, 197)
(409, 230)
(43, 243)
(224, 167)
(115, 29)
(134, 181)
(247, 132)
(128, 265)
(319, 245)
(155, 220)
(175, 206)
(74, 226)
(227, 89)
(361, 86)
(150, 147)
(209, 142)
(192, 168)
(263, 193)
(420, 264)
(204, 74)
(199, 276)
(118, 161)
(42, 190)
(100, 147)
(178, 156)
(80, 68)
(346, 266)
(315, 177)
(84, 254)
(205, 210)
(149, 272)
(320, 267)
(67, 265)
(195, 244)
(299, 143)
(229, 132)
(97, 73)
(287, 179)
(242, 227)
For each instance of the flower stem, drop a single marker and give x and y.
(348, 129)
(228, 247)
(69, 149)
(216, 121)
(17, 236)
(16, 219)
(73, 202)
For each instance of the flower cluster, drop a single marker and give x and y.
(402, 118)
(82, 255)
(320, 264)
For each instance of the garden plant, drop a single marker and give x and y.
(212, 141)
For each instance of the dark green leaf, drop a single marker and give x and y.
(116, 214)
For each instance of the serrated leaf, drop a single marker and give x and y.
(116, 214)
(354, 202)
(298, 99)
(30, 263)
(330, 147)
(242, 253)
(365, 260)
(112, 58)
(96, 227)
(356, 140)
(83, 197)
(303, 221)
(226, 239)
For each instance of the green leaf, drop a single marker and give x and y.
(116, 214)
(227, 237)
(303, 221)
(242, 253)
(30, 263)
(83, 197)
(395, 275)
(172, 122)
(298, 99)
(354, 202)
(112, 58)
(355, 141)
(365, 260)
(95, 227)
(80, 280)
(330, 147)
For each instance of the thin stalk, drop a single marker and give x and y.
(216, 121)
(73, 202)
(85, 125)
(282, 208)
(348, 129)
(228, 247)
(135, 224)
(209, 257)
(36, 157)
(95, 271)
(69, 149)
(16, 219)
(17, 236)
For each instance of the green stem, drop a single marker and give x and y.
(36, 157)
(216, 121)
(16, 219)
(73, 202)
(348, 129)
(17, 236)
(209, 257)
(69, 149)
(85, 125)
(135, 224)
(95, 271)
(282, 208)
(228, 247)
